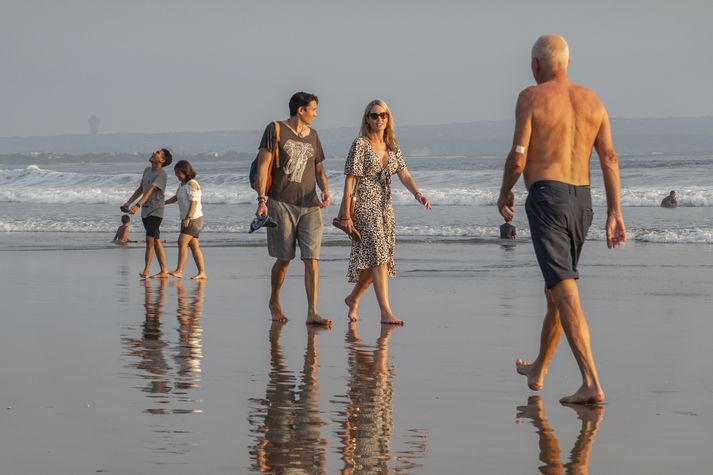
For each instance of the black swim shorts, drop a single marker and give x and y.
(151, 225)
(559, 215)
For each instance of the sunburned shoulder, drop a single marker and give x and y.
(585, 92)
(527, 94)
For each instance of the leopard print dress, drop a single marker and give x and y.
(373, 212)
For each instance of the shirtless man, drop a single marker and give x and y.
(557, 124)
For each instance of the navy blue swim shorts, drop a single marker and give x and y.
(559, 215)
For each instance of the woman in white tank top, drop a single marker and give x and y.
(188, 197)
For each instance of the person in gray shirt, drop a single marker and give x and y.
(151, 201)
(292, 199)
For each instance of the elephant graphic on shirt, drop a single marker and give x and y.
(299, 154)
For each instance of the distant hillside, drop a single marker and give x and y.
(631, 136)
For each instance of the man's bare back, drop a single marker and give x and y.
(564, 120)
(557, 125)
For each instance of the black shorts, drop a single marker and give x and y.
(559, 215)
(151, 225)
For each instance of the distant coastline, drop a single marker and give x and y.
(632, 136)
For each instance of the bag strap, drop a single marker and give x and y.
(276, 151)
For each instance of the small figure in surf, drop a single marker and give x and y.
(670, 201)
(507, 229)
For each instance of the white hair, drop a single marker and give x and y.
(552, 51)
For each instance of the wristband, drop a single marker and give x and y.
(261, 199)
(417, 194)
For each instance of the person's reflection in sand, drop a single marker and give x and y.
(288, 425)
(550, 454)
(148, 350)
(189, 352)
(367, 423)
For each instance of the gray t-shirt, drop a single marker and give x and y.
(295, 181)
(154, 206)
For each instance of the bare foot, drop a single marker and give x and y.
(176, 274)
(199, 276)
(535, 378)
(160, 275)
(277, 313)
(584, 395)
(353, 333)
(533, 410)
(390, 319)
(317, 319)
(352, 315)
(591, 414)
(385, 335)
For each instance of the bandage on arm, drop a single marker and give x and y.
(519, 149)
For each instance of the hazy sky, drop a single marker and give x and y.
(160, 66)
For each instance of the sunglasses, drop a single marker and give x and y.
(376, 116)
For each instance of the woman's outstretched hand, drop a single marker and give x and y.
(424, 201)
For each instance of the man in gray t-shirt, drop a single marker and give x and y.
(150, 194)
(295, 180)
(154, 205)
(293, 201)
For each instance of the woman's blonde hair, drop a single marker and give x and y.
(389, 134)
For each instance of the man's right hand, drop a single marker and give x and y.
(506, 208)
(261, 209)
(616, 231)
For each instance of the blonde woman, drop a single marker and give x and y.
(373, 158)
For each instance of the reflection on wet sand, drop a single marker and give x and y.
(287, 424)
(164, 387)
(189, 352)
(366, 422)
(550, 454)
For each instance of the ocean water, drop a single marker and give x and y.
(67, 204)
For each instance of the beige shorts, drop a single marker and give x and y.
(194, 227)
(294, 224)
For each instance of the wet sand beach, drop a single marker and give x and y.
(104, 373)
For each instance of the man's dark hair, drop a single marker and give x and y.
(301, 99)
(167, 157)
(125, 219)
(185, 167)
